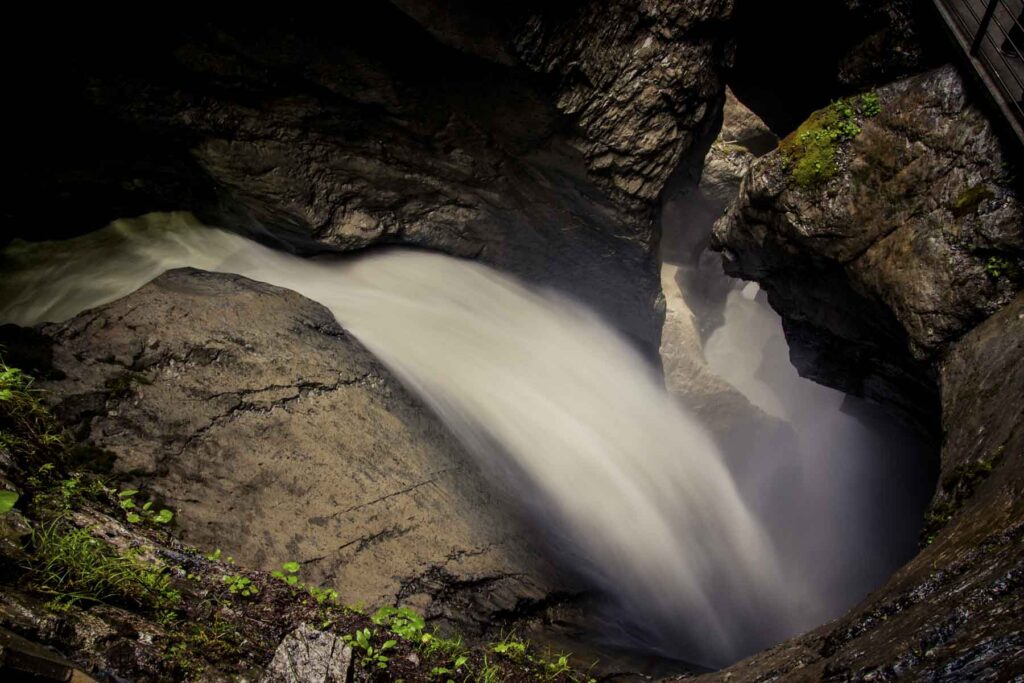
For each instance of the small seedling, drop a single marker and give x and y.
(372, 655)
(240, 585)
(402, 621)
(136, 514)
(287, 573)
(511, 648)
(322, 595)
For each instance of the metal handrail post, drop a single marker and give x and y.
(986, 19)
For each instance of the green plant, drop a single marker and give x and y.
(7, 501)
(997, 266)
(323, 595)
(489, 673)
(452, 669)
(402, 621)
(448, 646)
(559, 666)
(363, 639)
(240, 585)
(870, 104)
(73, 565)
(287, 573)
(136, 514)
(27, 427)
(511, 648)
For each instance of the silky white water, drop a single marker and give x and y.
(634, 491)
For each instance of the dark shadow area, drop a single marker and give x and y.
(795, 57)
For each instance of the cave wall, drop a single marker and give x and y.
(535, 138)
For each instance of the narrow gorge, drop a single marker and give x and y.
(635, 340)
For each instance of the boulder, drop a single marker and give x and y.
(274, 436)
(911, 241)
(897, 273)
(307, 655)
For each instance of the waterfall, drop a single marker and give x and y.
(555, 405)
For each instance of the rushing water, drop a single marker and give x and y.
(538, 388)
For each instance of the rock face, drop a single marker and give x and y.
(635, 78)
(899, 277)
(275, 436)
(692, 280)
(911, 244)
(534, 137)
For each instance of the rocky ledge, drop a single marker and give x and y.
(883, 229)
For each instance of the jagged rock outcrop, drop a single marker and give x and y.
(635, 79)
(692, 280)
(276, 437)
(899, 277)
(912, 242)
(534, 137)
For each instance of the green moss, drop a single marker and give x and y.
(809, 154)
(969, 200)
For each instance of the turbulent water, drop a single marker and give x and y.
(538, 388)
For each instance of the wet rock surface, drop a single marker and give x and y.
(276, 437)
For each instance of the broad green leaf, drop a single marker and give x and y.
(163, 517)
(7, 501)
(291, 567)
(133, 517)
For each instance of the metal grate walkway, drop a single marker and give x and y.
(991, 34)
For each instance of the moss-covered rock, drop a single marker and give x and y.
(810, 153)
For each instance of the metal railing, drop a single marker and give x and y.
(991, 34)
